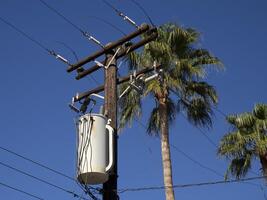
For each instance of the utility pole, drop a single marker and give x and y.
(113, 51)
(110, 187)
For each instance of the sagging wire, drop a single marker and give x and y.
(85, 142)
(70, 49)
(190, 185)
(42, 165)
(86, 189)
(21, 191)
(144, 11)
(200, 164)
(51, 52)
(80, 69)
(108, 23)
(41, 180)
(84, 33)
(121, 14)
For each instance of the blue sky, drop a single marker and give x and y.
(35, 91)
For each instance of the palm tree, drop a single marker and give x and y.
(180, 88)
(246, 141)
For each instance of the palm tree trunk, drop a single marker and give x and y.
(263, 159)
(165, 150)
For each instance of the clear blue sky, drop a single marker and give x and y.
(35, 90)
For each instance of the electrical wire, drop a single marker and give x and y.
(40, 165)
(203, 133)
(51, 52)
(21, 191)
(25, 35)
(186, 155)
(70, 49)
(139, 189)
(91, 77)
(62, 16)
(36, 163)
(144, 11)
(83, 148)
(108, 23)
(199, 163)
(121, 14)
(200, 130)
(84, 33)
(41, 180)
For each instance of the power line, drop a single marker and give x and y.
(37, 163)
(92, 79)
(200, 130)
(84, 33)
(42, 180)
(25, 35)
(187, 156)
(21, 191)
(203, 133)
(41, 165)
(62, 16)
(51, 52)
(197, 162)
(138, 189)
(144, 11)
(121, 14)
(108, 23)
(70, 49)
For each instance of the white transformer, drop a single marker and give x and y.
(95, 149)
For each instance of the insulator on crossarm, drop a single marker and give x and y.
(91, 38)
(128, 19)
(59, 57)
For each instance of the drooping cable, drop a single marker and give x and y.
(51, 52)
(25, 34)
(84, 33)
(190, 185)
(91, 77)
(144, 11)
(186, 155)
(41, 180)
(70, 49)
(40, 164)
(36, 163)
(197, 162)
(83, 143)
(21, 191)
(121, 14)
(108, 23)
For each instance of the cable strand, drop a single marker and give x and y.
(21, 191)
(25, 34)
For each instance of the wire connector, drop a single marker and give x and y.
(59, 57)
(91, 38)
(128, 19)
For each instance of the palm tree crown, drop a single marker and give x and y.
(247, 140)
(184, 69)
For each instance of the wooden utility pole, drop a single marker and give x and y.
(123, 46)
(110, 90)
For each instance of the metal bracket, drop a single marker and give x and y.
(113, 57)
(85, 103)
(59, 57)
(138, 82)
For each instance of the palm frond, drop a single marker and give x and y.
(239, 167)
(130, 106)
(199, 112)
